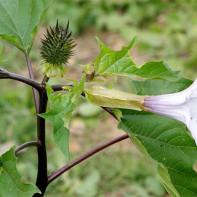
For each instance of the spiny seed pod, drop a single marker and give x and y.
(56, 49)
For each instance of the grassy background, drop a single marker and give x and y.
(166, 31)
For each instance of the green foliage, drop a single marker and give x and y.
(20, 20)
(156, 70)
(114, 62)
(111, 62)
(76, 89)
(61, 108)
(164, 141)
(59, 115)
(155, 87)
(11, 184)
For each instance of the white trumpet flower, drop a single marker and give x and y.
(181, 106)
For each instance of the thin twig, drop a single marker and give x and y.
(31, 74)
(25, 145)
(45, 80)
(59, 87)
(85, 156)
(3, 72)
(20, 78)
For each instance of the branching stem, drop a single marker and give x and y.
(20, 78)
(25, 145)
(59, 87)
(85, 156)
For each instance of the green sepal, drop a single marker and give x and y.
(97, 80)
(114, 98)
(51, 70)
(87, 69)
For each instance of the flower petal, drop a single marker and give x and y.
(192, 104)
(191, 88)
(181, 106)
(181, 113)
(168, 99)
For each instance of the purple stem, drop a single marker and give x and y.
(56, 174)
(25, 145)
(23, 79)
(42, 177)
(31, 74)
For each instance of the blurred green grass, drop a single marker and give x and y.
(166, 31)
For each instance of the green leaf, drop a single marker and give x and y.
(156, 87)
(111, 62)
(10, 180)
(59, 115)
(165, 142)
(61, 107)
(163, 172)
(156, 70)
(77, 89)
(20, 20)
(114, 62)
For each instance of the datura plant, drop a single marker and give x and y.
(156, 113)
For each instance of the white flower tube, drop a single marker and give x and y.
(181, 106)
